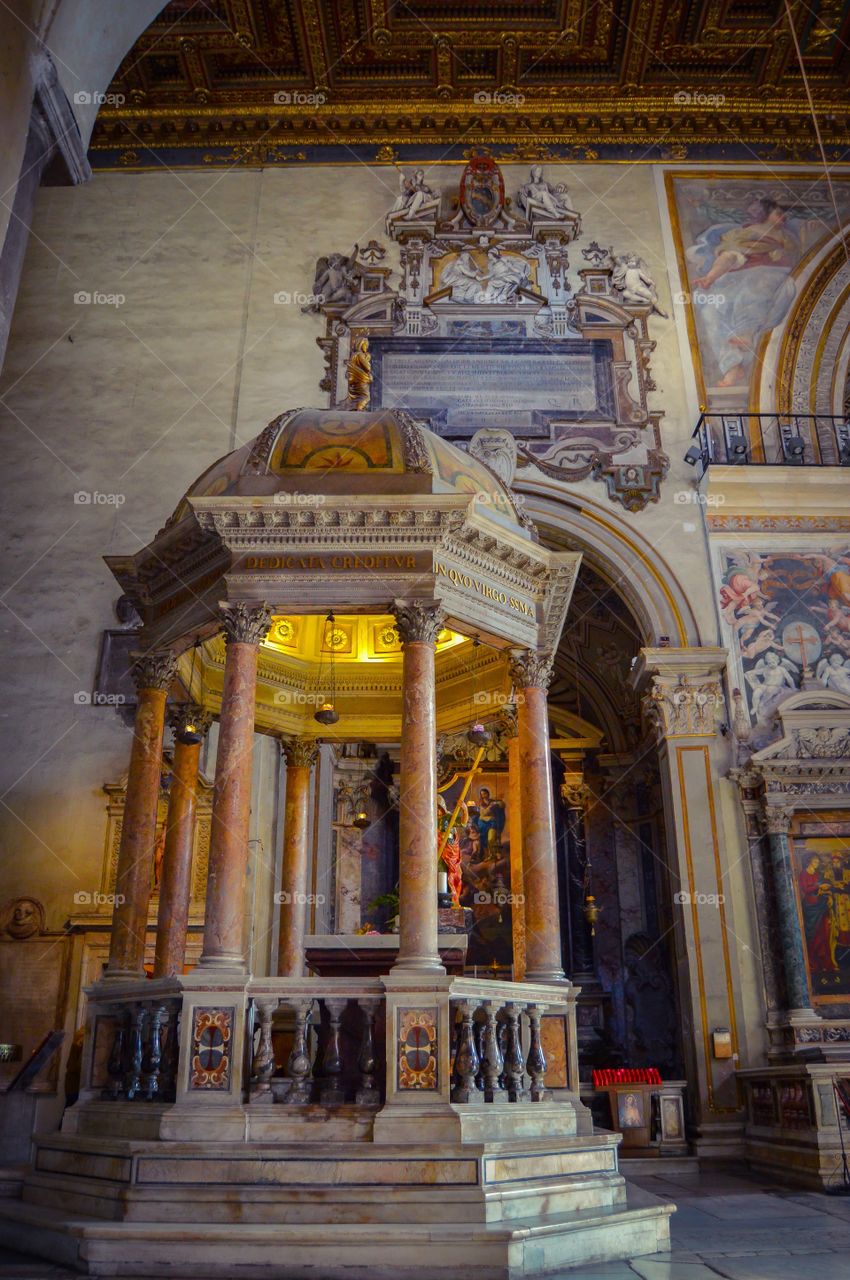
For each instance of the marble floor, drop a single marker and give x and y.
(739, 1227)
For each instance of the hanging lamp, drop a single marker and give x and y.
(326, 679)
(190, 732)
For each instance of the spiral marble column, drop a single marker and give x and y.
(531, 673)
(245, 626)
(301, 755)
(153, 674)
(175, 883)
(419, 623)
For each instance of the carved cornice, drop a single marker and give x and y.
(245, 623)
(300, 753)
(531, 670)
(183, 714)
(154, 670)
(419, 620)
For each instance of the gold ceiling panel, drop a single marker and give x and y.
(351, 638)
(260, 75)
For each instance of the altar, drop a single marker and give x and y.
(335, 955)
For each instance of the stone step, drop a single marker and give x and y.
(434, 1250)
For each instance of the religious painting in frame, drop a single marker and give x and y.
(671, 1114)
(486, 867)
(820, 868)
(786, 616)
(631, 1110)
(742, 240)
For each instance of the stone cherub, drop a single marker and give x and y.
(337, 280)
(544, 199)
(632, 280)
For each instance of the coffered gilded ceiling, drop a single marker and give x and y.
(266, 81)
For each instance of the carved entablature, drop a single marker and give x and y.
(808, 766)
(486, 329)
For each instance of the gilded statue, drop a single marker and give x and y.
(360, 375)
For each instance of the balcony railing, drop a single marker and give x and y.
(770, 439)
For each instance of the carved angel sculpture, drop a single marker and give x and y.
(542, 198)
(632, 280)
(337, 280)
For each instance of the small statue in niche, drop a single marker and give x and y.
(543, 199)
(360, 375)
(632, 280)
(415, 199)
(336, 282)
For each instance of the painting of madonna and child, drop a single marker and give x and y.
(480, 837)
(821, 861)
(741, 243)
(788, 619)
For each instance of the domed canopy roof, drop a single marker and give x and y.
(348, 452)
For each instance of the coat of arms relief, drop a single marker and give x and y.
(487, 329)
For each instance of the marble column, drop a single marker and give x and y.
(778, 823)
(531, 673)
(419, 623)
(245, 626)
(301, 755)
(575, 796)
(153, 674)
(515, 789)
(175, 884)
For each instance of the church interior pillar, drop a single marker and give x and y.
(301, 755)
(153, 675)
(778, 823)
(190, 724)
(419, 623)
(531, 674)
(245, 626)
(515, 789)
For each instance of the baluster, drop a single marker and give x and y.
(262, 1063)
(367, 1095)
(299, 1067)
(478, 1027)
(503, 1049)
(467, 1060)
(514, 1060)
(536, 1062)
(170, 1053)
(492, 1055)
(331, 1094)
(116, 1065)
(133, 1078)
(152, 1060)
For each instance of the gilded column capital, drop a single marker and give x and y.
(576, 794)
(683, 705)
(188, 715)
(419, 620)
(245, 623)
(531, 670)
(299, 752)
(156, 669)
(777, 818)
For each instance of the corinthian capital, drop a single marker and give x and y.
(188, 715)
(154, 670)
(531, 670)
(418, 620)
(777, 818)
(299, 752)
(245, 623)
